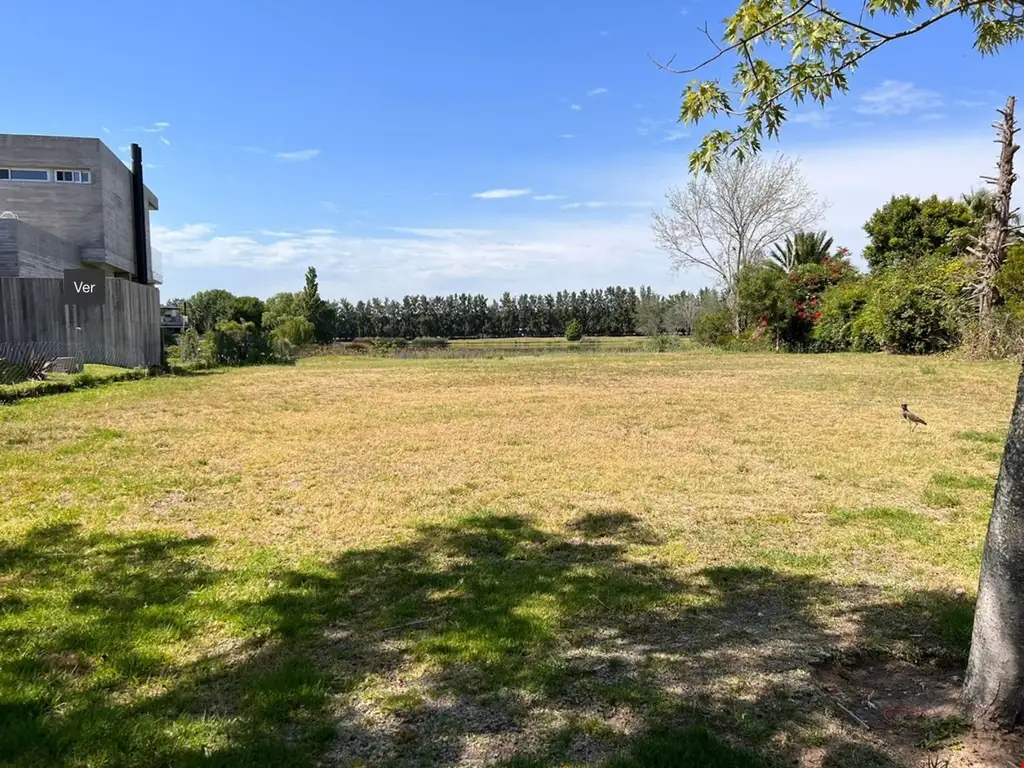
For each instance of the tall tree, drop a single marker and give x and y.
(315, 309)
(248, 309)
(207, 308)
(824, 46)
(907, 228)
(726, 219)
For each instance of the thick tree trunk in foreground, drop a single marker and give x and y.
(994, 685)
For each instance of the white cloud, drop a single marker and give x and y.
(155, 128)
(603, 204)
(327, 205)
(442, 234)
(501, 194)
(298, 156)
(423, 254)
(321, 231)
(895, 97)
(816, 118)
(548, 197)
(165, 140)
(675, 135)
(597, 92)
(969, 104)
(105, 129)
(567, 136)
(647, 125)
(274, 233)
(575, 107)
(932, 116)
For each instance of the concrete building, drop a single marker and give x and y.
(68, 203)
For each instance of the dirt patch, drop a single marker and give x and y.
(913, 713)
(168, 502)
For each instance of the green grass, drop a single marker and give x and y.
(619, 560)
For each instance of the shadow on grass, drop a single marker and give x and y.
(484, 642)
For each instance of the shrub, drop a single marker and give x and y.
(915, 310)
(11, 373)
(189, 348)
(663, 342)
(1009, 280)
(840, 305)
(36, 368)
(234, 343)
(283, 350)
(428, 342)
(295, 330)
(574, 330)
(1004, 339)
(713, 329)
(748, 341)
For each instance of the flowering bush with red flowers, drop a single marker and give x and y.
(787, 306)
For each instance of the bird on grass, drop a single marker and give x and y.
(912, 417)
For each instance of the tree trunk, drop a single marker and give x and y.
(993, 691)
(991, 248)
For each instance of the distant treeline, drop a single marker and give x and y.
(613, 311)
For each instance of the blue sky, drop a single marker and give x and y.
(406, 147)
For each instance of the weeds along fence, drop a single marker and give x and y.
(36, 323)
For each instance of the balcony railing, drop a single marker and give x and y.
(156, 264)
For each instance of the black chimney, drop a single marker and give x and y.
(139, 217)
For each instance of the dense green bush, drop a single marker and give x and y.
(784, 307)
(915, 310)
(840, 306)
(713, 329)
(574, 330)
(1010, 280)
(233, 343)
(295, 330)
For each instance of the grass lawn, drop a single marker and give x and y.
(694, 558)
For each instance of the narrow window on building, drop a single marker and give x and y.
(22, 174)
(73, 177)
(4, 174)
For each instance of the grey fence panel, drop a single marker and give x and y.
(34, 321)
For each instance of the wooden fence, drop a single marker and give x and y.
(35, 321)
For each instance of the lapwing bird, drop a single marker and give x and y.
(912, 417)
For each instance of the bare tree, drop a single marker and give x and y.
(727, 219)
(684, 312)
(1000, 230)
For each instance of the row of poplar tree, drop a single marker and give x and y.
(613, 311)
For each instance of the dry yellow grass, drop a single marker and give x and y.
(796, 464)
(720, 453)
